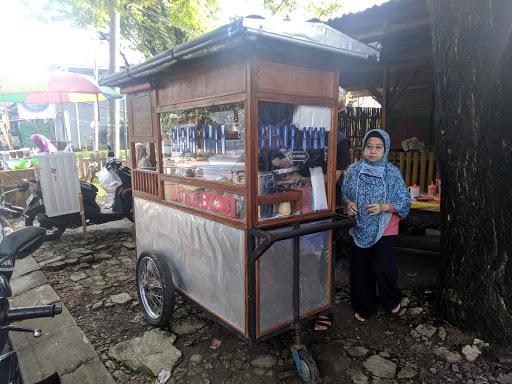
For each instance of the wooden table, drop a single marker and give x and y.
(431, 206)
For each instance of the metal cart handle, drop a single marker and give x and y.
(269, 238)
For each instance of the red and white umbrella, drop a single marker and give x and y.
(57, 88)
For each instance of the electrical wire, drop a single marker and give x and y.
(151, 13)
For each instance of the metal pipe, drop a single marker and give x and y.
(270, 238)
(296, 279)
(346, 52)
(171, 54)
(225, 34)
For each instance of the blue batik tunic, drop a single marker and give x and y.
(368, 183)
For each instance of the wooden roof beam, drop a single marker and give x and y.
(374, 92)
(397, 93)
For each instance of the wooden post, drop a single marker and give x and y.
(385, 97)
(408, 166)
(82, 216)
(401, 156)
(77, 117)
(415, 166)
(423, 171)
(431, 163)
(7, 128)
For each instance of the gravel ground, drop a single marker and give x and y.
(96, 281)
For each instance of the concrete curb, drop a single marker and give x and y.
(63, 347)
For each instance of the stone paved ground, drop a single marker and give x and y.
(95, 279)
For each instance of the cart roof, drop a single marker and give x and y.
(312, 35)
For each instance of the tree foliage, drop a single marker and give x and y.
(151, 26)
(314, 8)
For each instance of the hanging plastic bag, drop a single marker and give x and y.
(318, 186)
(109, 181)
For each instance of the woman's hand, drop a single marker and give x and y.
(375, 209)
(351, 208)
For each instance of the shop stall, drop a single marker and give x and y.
(234, 202)
(14, 167)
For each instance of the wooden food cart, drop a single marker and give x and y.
(235, 204)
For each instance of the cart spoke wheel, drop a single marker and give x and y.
(150, 288)
(155, 288)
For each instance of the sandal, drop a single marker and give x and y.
(396, 310)
(359, 317)
(323, 323)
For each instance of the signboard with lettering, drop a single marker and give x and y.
(215, 202)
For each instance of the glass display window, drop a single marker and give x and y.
(145, 158)
(205, 199)
(206, 143)
(292, 159)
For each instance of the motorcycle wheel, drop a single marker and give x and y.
(128, 207)
(33, 217)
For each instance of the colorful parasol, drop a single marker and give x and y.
(57, 88)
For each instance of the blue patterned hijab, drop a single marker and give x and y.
(377, 182)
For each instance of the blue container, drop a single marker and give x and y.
(210, 137)
(223, 138)
(203, 133)
(193, 142)
(322, 137)
(215, 139)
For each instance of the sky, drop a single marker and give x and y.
(29, 46)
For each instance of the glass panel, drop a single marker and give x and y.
(145, 156)
(206, 143)
(292, 162)
(205, 199)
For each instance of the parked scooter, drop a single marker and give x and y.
(35, 212)
(17, 245)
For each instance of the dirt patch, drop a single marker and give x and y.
(407, 347)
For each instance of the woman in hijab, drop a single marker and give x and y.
(374, 191)
(42, 144)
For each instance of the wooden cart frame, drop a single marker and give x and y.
(235, 65)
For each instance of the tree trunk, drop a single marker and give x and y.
(472, 42)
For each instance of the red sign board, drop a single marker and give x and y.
(208, 200)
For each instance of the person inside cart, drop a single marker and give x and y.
(375, 193)
(141, 157)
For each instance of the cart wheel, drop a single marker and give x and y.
(306, 366)
(155, 288)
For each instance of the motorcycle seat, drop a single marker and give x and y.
(22, 242)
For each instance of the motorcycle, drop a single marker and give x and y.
(34, 211)
(14, 246)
